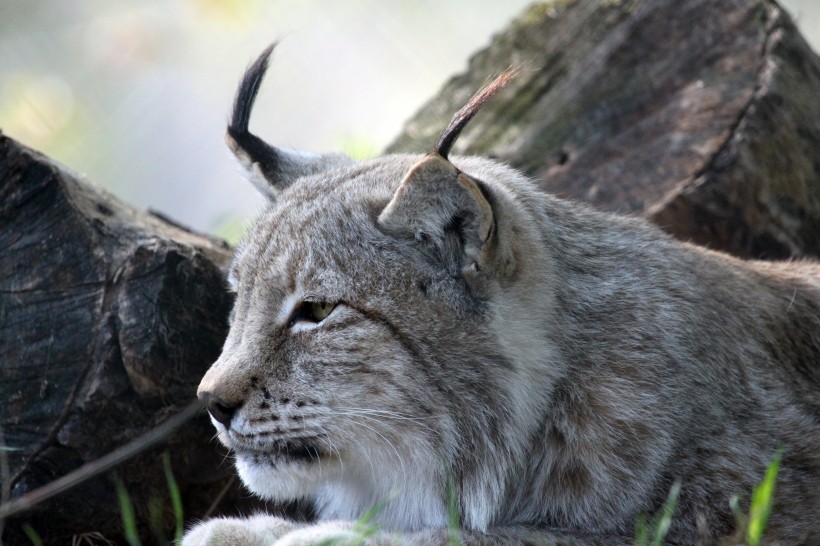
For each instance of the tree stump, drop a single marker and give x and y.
(108, 318)
(702, 115)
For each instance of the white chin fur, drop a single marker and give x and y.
(284, 482)
(340, 494)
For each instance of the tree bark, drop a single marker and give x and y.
(108, 317)
(700, 114)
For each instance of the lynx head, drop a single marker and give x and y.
(386, 319)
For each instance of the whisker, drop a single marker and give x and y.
(384, 413)
(388, 442)
(362, 449)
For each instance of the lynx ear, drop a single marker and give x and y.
(269, 169)
(442, 208)
(438, 205)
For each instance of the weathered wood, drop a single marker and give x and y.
(701, 114)
(108, 317)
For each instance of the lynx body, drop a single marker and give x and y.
(411, 328)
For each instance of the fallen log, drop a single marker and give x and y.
(108, 316)
(700, 114)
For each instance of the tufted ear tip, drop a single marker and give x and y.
(270, 169)
(466, 113)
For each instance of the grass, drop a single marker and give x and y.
(453, 512)
(129, 520)
(654, 532)
(761, 505)
(155, 509)
(176, 497)
(364, 527)
(32, 535)
(647, 533)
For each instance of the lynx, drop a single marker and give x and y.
(412, 333)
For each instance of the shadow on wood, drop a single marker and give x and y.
(702, 115)
(108, 317)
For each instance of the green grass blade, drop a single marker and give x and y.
(761, 506)
(453, 512)
(653, 532)
(129, 520)
(641, 531)
(32, 535)
(335, 542)
(176, 498)
(364, 526)
(663, 520)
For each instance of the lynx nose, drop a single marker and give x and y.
(219, 409)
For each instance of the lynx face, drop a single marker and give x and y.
(358, 362)
(364, 362)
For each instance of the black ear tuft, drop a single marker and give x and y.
(258, 151)
(466, 113)
(270, 169)
(246, 94)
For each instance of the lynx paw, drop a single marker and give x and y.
(338, 533)
(258, 530)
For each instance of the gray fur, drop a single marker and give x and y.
(561, 366)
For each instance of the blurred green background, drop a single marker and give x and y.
(135, 94)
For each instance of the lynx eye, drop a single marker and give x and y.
(312, 311)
